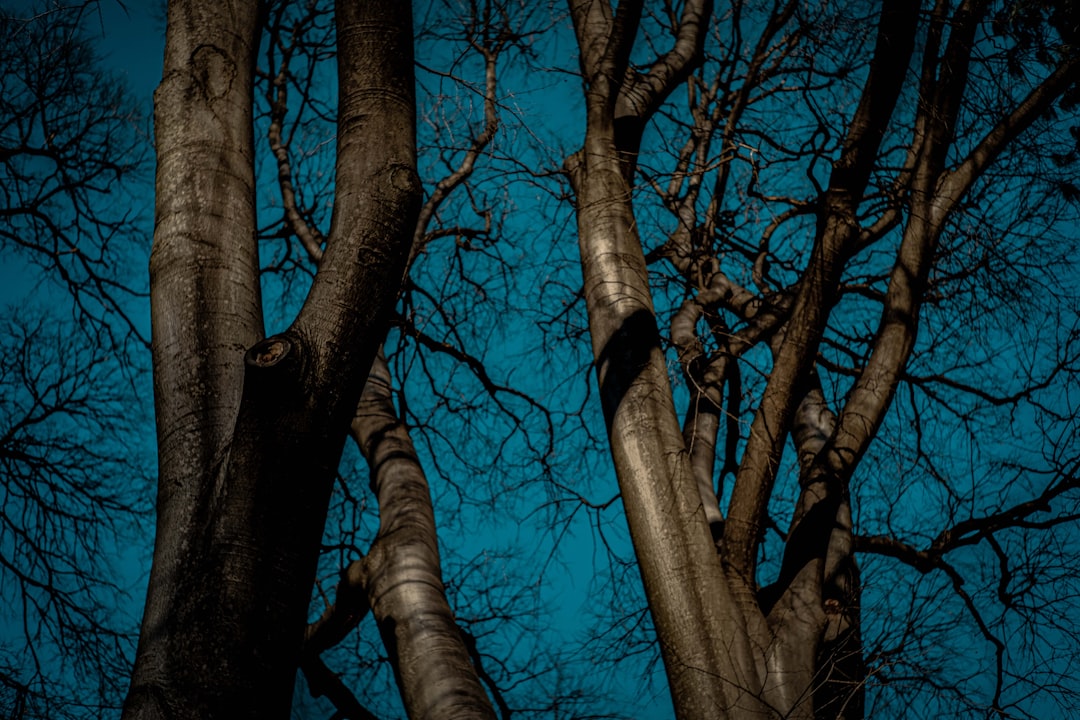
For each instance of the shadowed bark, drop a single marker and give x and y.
(238, 546)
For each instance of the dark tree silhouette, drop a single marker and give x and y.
(72, 465)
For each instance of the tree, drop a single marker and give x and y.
(72, 137)
(72, 464)
(736, 640)
(808, 236)
(249, 444)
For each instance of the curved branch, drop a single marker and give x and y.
(468, 162)
(641, 94)
(1035, 105)
(402, 574)
(277, 95)
(705, 376)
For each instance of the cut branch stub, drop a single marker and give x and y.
(276, 364)
(269, 352)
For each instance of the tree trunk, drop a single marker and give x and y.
(205, 311)
(402, 574)
(725, 653)
(706, 650)
(247, 464)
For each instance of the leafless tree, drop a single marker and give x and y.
(815, 189)
(832, 313)
(69, 500)
(71, 463)
(73, 144)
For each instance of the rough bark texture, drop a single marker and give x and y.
(238, 542)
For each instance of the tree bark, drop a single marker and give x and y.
(402, 575)
(239, 543)
(706, 643)
(205, 305)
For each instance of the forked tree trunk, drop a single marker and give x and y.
(729, 651)
(249, 442)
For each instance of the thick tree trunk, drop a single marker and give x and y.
(711, 651)
(706, 649)
(205, 309)
(246, 476)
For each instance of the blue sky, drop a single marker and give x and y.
(558, 585)
(130, 41)
(542, 119)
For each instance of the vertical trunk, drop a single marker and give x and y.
(705, 648)
(711, 651)
(225, 624)
(205, 303)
